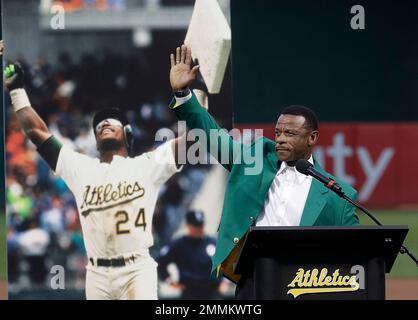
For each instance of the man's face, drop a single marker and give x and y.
(195, 231)
(109, 135)
(294, 140)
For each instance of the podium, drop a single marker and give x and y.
(336, 263)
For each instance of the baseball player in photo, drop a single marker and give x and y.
(115, 194)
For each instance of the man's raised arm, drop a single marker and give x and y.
(187, 108)
(33, 126)
(29, 120)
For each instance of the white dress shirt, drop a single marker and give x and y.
(286, 198)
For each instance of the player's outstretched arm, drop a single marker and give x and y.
(33, 126)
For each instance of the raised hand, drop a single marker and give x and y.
(13, 76)
(181, 73)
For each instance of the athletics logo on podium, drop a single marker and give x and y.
(321, 281)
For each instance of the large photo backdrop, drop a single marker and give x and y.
(109, 54)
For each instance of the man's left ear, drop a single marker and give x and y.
(313, 138)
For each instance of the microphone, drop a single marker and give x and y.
(305, 167)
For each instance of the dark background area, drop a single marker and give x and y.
(305, 52)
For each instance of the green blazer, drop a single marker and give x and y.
(245, 194)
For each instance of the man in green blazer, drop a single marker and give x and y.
(278, 195)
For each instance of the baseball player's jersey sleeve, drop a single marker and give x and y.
(163, 162)
(71, 166)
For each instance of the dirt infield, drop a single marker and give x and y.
(3, 290)
(402, 289)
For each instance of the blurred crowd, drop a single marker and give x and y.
(112, 5)
(75, 5)
(43, 224)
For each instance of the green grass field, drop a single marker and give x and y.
(404, 266)
(3, 266)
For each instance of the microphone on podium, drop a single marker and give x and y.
(305, 167)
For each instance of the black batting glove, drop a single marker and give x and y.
(14, 76)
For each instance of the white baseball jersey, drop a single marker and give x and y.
(116, 200)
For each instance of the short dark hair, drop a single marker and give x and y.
(308, 114)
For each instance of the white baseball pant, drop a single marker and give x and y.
(135, 281)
